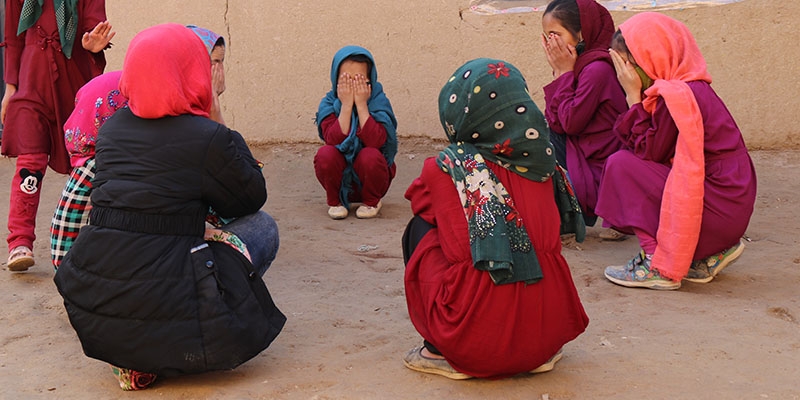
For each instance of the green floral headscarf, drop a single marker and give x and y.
(487, 114)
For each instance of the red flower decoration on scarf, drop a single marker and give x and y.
(504, 149)
(470, 164)
(513, 214)
(475, 202)
(498, 69)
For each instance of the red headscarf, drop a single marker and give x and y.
(597, 29)
(665, 49)
(167, 73)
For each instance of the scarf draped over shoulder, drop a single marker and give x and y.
(380, 109)
(667, 52)
(487, 114)
(66, 19)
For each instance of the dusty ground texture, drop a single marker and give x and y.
(341, 285)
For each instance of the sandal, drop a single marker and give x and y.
(612, 235)
(416, 361)
(20, 259)
(549, 364)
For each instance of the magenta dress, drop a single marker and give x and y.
(46, 80)
(585, 111)
(633, 179)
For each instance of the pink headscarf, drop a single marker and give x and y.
(95, 102)
(166, 73)
(665, 49)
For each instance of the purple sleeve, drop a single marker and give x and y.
(650, 137)
(569, 107)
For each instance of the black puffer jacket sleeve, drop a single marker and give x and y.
(233, 183)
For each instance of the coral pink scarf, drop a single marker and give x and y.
(665, 49)
(167, 72)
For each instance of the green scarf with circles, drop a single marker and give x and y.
(487, 113)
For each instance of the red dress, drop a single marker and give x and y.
(482, 329)
(46, 80)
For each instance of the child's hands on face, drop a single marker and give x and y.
(362, 90)
(560, 55)
(628, 78)
(218, 78)
(345, 89)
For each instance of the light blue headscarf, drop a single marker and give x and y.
(379, 108)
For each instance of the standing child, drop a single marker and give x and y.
(43, 71)
(356, 121)
(686, 185)
(584, 99)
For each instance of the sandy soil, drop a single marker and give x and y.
(341, 285)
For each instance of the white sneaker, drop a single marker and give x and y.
(337, 212)
(365, 211)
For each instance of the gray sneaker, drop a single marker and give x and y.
(704, 271)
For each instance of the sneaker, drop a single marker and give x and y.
(550, 364)
(365, 211)
(704, 271)
(438, 366)
(337, 212)
(20, 258)
(638, 273)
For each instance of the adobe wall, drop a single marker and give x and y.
(279, 56)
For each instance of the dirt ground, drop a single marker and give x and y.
(340, 283)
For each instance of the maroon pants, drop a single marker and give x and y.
(24, 199)
(370, 166)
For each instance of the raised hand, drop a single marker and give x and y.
(97, 40)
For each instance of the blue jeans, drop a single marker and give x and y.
(260, 233)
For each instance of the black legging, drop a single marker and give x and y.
(415, 231)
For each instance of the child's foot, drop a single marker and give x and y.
(337, 212)
(133, 380)
(638, 273)
(704, 271)
(20, 259)
(365, 211)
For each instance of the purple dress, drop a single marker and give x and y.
(633, 179)
(585, 111)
